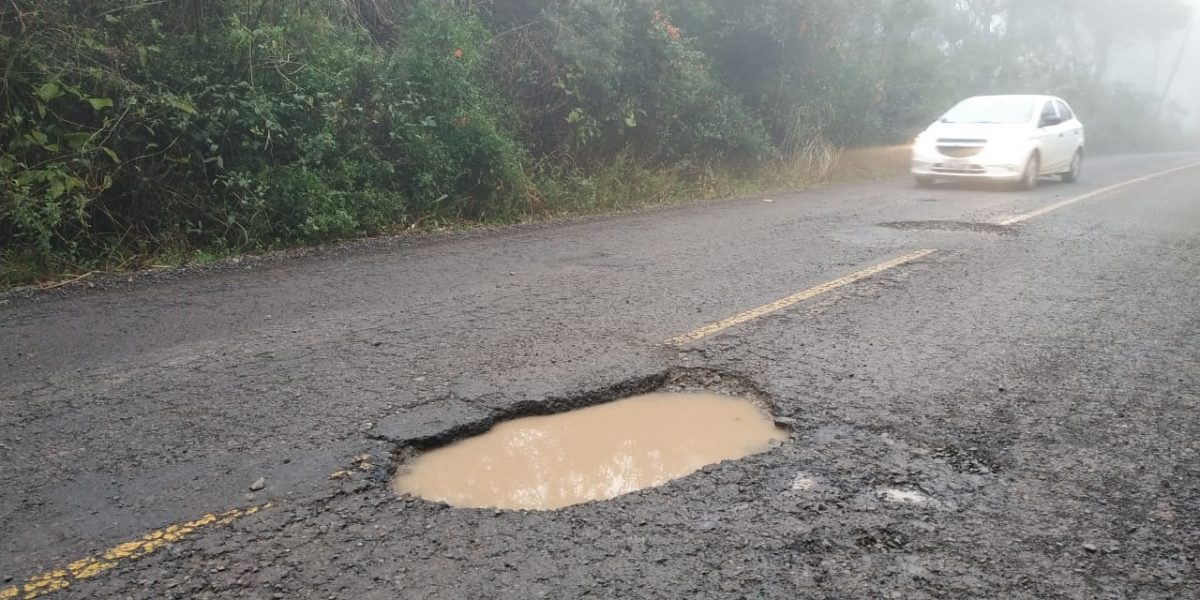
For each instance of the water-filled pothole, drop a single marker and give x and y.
(594, 453)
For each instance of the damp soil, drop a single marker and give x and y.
(594, 453)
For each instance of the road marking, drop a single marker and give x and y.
(783, 303)
(86, 568)
(1100, 192)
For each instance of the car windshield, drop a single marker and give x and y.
(991, 109)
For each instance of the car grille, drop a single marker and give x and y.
(964, 169)
(955, 148)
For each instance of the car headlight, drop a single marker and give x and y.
(924, 142)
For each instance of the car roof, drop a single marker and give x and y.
(1019, 96)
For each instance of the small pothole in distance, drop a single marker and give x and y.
(966, 226)
(598, 452)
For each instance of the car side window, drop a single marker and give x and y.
(1048, 112)
(1064, 111)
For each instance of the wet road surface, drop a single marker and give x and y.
(1015, 414)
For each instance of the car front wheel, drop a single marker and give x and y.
(1072, 175)
(1029, 178)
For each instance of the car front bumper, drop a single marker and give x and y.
(987, 165)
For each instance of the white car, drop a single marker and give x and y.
(1014, 139)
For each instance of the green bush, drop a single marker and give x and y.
(280, 122)
(136, 128)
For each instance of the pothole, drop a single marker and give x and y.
(949, 226)
(884, 539)
(595, 453)
(970, 459)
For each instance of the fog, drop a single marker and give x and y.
(1148, 66)
(1131, 68)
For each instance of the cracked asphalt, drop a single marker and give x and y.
(1016, 415)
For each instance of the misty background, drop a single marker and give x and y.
(141, 132)
(1146, 65)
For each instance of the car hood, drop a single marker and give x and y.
(972, 131)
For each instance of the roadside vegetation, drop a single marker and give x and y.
(135, 132)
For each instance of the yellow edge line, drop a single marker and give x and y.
(783, 303)
(86, 568)
(1100, 192)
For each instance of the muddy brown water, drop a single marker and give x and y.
(595, 453)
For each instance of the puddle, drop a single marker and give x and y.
(594, 453)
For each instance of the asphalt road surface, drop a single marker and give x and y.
(1015, 414)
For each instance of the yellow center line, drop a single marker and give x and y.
(783, 303)
(86, 568)
(1100, 192)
